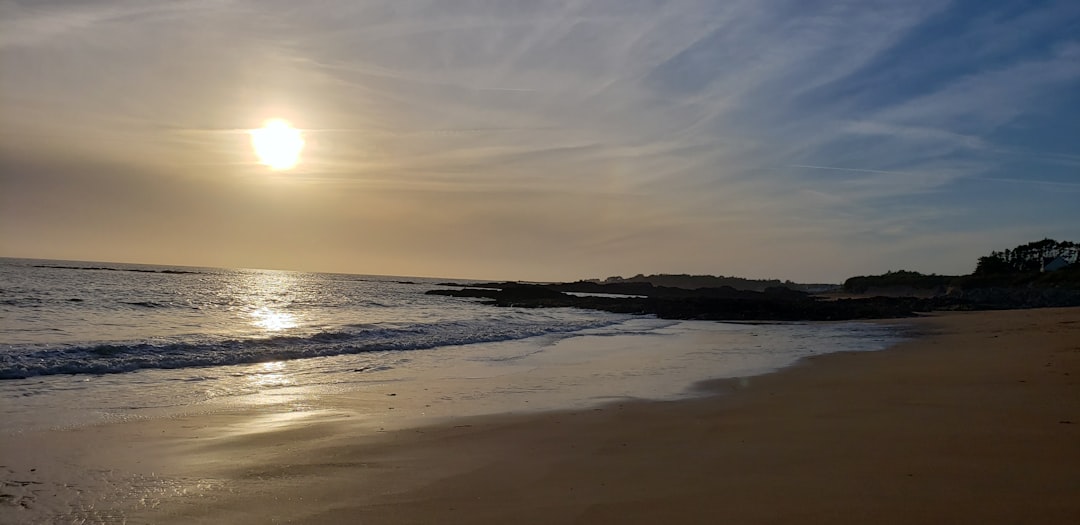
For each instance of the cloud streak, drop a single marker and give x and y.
(694, 125)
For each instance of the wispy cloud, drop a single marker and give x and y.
(1036, 182)
(608, 126)
(837, 168)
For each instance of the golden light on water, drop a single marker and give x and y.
(277, 144)
(268, 375)
(273, 321)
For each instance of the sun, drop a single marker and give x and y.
(277, 144)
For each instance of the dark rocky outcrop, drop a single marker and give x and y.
(724, 303)
(773, 304)
(1016, 278)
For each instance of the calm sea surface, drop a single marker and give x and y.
(83, 341)
(71, 317)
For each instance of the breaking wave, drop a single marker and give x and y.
(117, 357)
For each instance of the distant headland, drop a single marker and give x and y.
(1044, 273)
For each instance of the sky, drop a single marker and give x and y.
(541, 140)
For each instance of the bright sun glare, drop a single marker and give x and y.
(277, 144)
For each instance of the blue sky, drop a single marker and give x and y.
(542, 139)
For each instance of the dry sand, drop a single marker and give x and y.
(976, 422)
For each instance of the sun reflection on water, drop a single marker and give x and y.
(272, 320)
(272, 374)
(267, 297)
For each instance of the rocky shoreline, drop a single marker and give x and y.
(725, 303)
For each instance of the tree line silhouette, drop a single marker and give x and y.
(1030, 257)
(1021, 266)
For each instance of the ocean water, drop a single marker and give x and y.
(87, 342)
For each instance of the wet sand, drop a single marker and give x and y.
(977, 421)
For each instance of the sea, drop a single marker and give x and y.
(85, 343)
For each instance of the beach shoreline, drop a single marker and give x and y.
(975, 421)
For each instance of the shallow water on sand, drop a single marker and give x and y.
(401, 361)
(245, 405)
(638, 358)
(82, 343)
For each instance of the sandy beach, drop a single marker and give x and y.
(975, 421)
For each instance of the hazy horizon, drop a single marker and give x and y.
(541, 141)
(448, 277)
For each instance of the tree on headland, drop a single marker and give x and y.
(1027, 258)
(1021, 266)
(992, 265)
